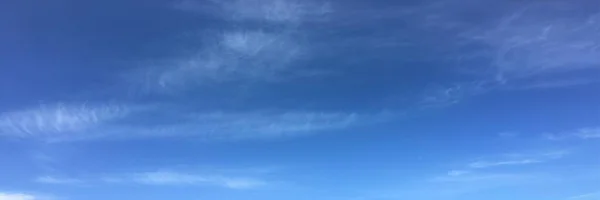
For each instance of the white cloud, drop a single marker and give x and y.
(55, 180)
(522, 40)
(588, 133)
(17, 196)
(264, 125)
(175, 178)
(237, 55)
(253, 125)
(458, 172)
(64, 123)
(57, 120)
(486, 164)
(453, 94)
(519, 159)
(479, 177)
(274, 11)
(241, 54)
(584, 133)
(508, 134)
(553, 84)
(532, 42)
(539, 45)
(588, 196)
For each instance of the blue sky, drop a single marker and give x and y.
(290, 99)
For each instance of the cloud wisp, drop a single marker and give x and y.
(252, 125)
(522, 41)
(55, 180)
(83, 122)
(588, 196)
(18, 196)
(487, 164)
(479, 171)
(518, 159)
(583, 133)
(58, 120)
(240, 54)
(291, 12)
(174, 179)
(526, 49)
(161, 178)
(532, 43)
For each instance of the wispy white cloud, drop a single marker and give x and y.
(486, 164)
(17, 196)
(453, 186)
(531, 42)
(55, 180)
(508, 134)
(458, 172)
(528, 48)
(69, 123)
(590, 196)
(588, 133)
(167, 178)
(554, 84)
(252, 125)
(275, 11)
(480, 177)
(583, 133)
(519, 159)
(231, 180)
(446, 96)
(241, 54)
(57, 120)
(235, 56)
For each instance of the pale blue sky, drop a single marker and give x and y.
(290, 99)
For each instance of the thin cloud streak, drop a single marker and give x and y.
(290, 12)
(523, 50)
(94, 124)
(57, 120)
(241, 54)
(175, 179)
(55, 180)
(588, 196)
(484, 164)
(519, 159)
(17, 196)
(238, 126)
(583, 134)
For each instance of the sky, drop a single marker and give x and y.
(300, 99)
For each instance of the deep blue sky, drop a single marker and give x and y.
(289, 99)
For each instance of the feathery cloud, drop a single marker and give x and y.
(190, 179)
(485, 164)
(447, 96)
(590, 196)
(57, 120)
(583, 133)
(55, 180)
(479, 177)
(274, 11)
(252, 125)
(236, 56)
(241, 54)
(588, 133)
(17, 196)
(525, 49)
(531, 42)
(519, 159)
(68, 123)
